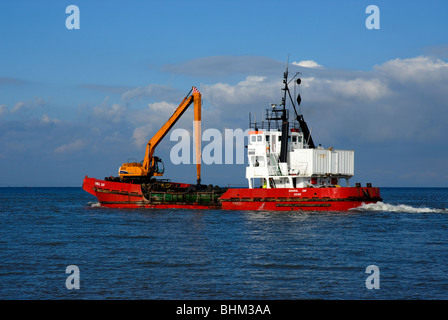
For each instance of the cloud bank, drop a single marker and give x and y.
(395, 117)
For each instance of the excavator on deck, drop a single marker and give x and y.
(152, 166)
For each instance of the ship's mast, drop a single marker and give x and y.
(285, 121)
(282, 115)
(299, 117)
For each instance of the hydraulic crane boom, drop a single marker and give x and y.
(150, 166)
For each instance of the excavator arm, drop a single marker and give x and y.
(150, 167)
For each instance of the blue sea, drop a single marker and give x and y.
(58, 243)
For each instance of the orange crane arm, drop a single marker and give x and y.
(183, 106)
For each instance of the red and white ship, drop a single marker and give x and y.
(286, 171)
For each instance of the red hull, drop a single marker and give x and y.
(128, 195)
(310, 199)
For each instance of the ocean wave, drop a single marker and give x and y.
(94, 204)
(381, 206)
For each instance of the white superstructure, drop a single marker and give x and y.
(282, 154)
(305, 167)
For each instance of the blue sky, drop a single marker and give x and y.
(77, 102)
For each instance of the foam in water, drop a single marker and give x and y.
(94, 204)
(381, 206)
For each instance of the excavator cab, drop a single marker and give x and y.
(131, 170)
(158, 166)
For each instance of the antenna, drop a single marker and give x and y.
(284, 119)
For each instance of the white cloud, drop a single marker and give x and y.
(162, 107)
(46, 119)
(70, 147)
(369, 89)
(29, 106)
(418, 69)
(140, 135)
(246, 91)
(114, 113)
(307, 64)
(252, 81)
(400, 101)
(388, 103)
(148, 121)
(19, 105)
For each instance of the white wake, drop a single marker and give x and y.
(381, 206)
(94, 204)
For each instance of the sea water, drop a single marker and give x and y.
(46, 233)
